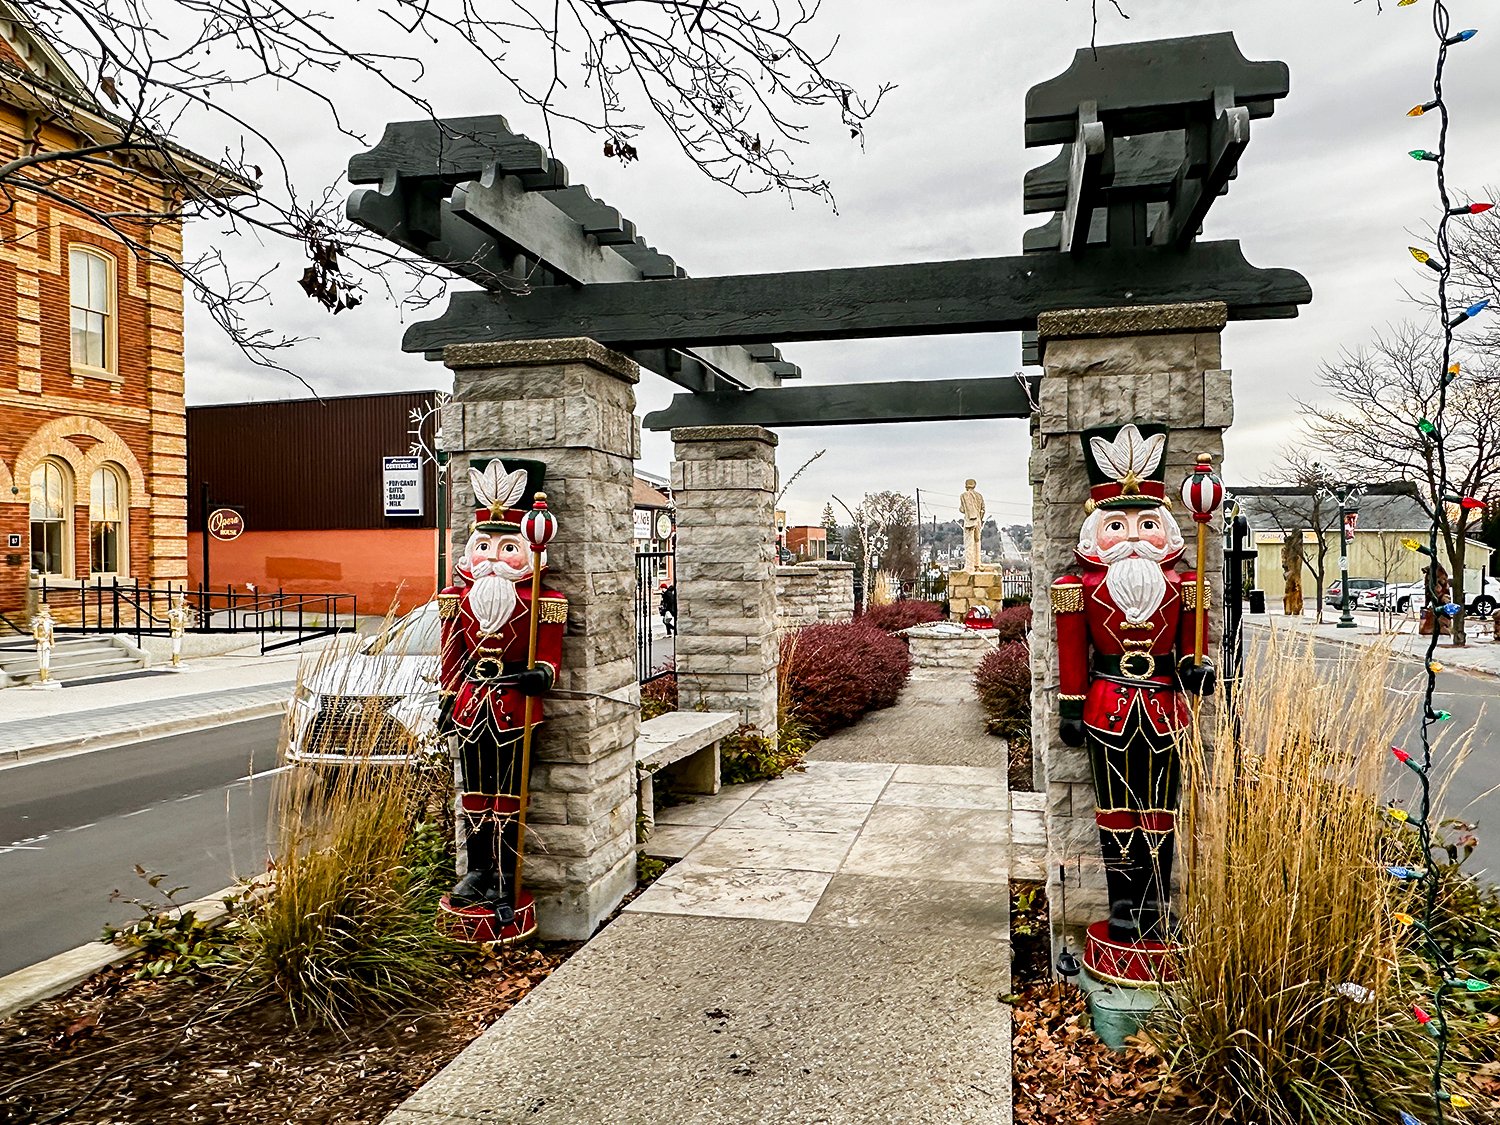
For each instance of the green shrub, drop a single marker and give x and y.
(1003, 683)
(747, 755)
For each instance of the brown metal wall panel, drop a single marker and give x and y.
(305, 464)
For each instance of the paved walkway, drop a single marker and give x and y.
(205, 691)
(830, 948)
(1481, 655)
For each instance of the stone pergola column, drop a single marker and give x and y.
(1106, 367)
(724, 485)
(570, 404)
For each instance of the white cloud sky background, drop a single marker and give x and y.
(1325, 188)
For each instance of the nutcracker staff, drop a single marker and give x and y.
(1130, 637)
(501, 648)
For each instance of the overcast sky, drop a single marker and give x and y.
(1325, 188)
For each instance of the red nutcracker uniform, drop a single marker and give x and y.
(1122, 681)
(487, 688)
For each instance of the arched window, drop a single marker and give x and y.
(92, 299)
(51, 505)
(108, 534)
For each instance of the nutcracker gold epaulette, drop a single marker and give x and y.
(1067, 596)
(447, 606)
(553, 609)
(1190, 596)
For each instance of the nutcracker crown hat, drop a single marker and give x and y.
(1127, 465)
(504, 492)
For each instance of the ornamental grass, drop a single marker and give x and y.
(1289, 1008)
(348, 923)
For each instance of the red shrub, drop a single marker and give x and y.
(1003, 681)
(1013, 624)
(902, 615)
(833, 674)
(659, 696)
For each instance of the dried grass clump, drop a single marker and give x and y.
(348, 922)
(884, 589)
(1287, 1010)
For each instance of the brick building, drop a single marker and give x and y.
(92, 431)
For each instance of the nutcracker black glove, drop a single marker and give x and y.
(445, 724)
(534, 681)
(1071, 731)
(1198, 679)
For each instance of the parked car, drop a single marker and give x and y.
(1400, 597)
(1333, 594)
(378, 703)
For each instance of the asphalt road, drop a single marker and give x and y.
(1473, 784)
(71, 829)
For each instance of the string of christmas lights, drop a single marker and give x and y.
(1450, 975)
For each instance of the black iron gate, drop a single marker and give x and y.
(655, 614)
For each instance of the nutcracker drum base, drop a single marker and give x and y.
(475, 925)
(1141, 964)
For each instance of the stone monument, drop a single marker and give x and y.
(971, 505)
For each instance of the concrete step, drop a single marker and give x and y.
(61, 653)
(87, 669)
(73, 658)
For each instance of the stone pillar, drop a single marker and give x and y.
(724, 483)
(1105, 367)
(570, 404)
(835, 591)
(796, 596)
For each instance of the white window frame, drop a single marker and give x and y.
(81, 254)
(122, 487)
(70, 499)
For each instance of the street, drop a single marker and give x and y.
(1473, 787)
(71, 829)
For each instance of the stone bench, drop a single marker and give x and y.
(684, 744)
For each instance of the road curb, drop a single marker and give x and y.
(144, 732)
(1448, 665)
(24, 987)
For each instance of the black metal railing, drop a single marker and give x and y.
(278, 619)
(655, 596)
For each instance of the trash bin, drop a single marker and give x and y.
(1257, 601)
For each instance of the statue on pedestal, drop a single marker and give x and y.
(971, 505)
(501, 648)
(1129, 649)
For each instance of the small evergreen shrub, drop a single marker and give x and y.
(902, 615)
(1013, 623)
(747, 755)
(833, 674)
(1003, 682)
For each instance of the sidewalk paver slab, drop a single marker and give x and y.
(921, 905)
(722, 1022)
(942, 796)
(793, 851)
(793, 815)
(772, 894)
(953, 845)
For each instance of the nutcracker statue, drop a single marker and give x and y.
(177, 623)
(501, 647)
(44, 633)
(1131, 637)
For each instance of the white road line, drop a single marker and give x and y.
(139, 811)
(81, 827)
(263, 773)
(20, 848)
(189, 797)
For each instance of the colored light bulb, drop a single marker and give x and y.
(1458, 1101)
(1413, 545)
(1471, 209)
(1442, 716)
(1399, 814)
(1399, 872)
(1461, 37)
(1470, 503)
(1422, 1017)
(1477, 307)
(1475, 985)
(1425, 258)
(1406, 1118)
(1407, 920)
(1422, 154)
(1434, 667)
(1405, 3)
(1450, 609)
(1426, 427)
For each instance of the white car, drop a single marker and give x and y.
(1404, 596)
(377, 703)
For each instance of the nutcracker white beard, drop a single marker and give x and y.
(1135, 579)
(492, 596)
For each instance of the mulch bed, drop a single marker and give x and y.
(190, 1051)
(1018, 761)
(1062, 1073)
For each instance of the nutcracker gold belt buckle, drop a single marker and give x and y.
(1127, 667)
(488, 668)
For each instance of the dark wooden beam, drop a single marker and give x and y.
(1147, 87)
(455, 149)
(841, 404)
(1193, 194)
(929, 298)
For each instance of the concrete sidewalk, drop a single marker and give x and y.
(832, 947)
(206, 691)
(1480, 656)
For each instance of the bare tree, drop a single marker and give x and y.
(1386, 394)
(732, 85)
(1299, 507)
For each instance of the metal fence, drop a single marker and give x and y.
(655, 615)
(279, 619)
(1017, 585)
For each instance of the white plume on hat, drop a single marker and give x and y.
(1129, 454)
(496, 489)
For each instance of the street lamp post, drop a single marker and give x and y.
(1347, 497)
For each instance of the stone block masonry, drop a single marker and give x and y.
(1107, 367)
(724, 482)
(571, 405)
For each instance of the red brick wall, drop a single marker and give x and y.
(47, 409)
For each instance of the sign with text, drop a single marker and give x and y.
(1351, 520)
(403, 485)
(225, 524)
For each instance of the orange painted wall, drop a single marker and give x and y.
(376, 565)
